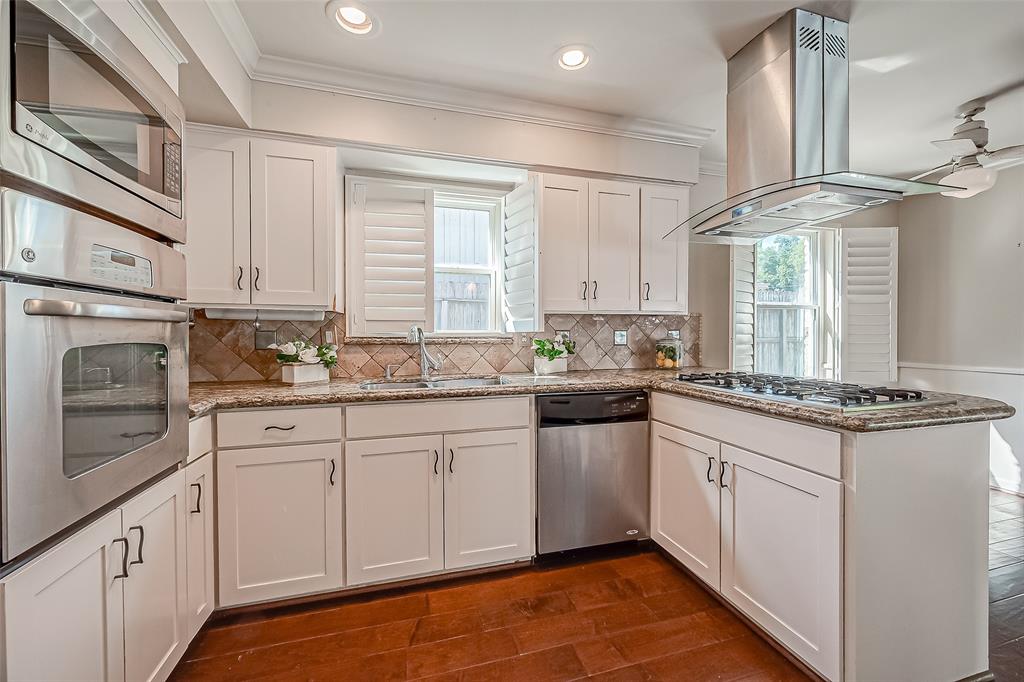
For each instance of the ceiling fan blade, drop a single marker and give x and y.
(933, 170)
(1003, 158)
(956, 146)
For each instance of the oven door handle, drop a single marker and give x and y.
(46, 308)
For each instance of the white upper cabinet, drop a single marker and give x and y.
(261, 221)
(155, 602)
(664, 263)
(292, 222)
(564, 230)
(63, 612)
(487, 515)
(217, 201)
(782, 554)
(614, 246)
(685, 506)
(279, 520)
(394, 502)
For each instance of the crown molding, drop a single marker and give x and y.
(159, 33)
(709, 167)
(232, 24)
(282, 71)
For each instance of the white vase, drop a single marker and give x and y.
(303, 373)
(545, 366)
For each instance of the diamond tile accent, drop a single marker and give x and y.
(224, 350)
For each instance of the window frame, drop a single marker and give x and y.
(494, 205)
(818, 264)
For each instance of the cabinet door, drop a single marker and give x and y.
(487, 498)
(279, 513)
(664, 263)
(199, 551)
(685, 499)
(63, 612)
(393, 508)
(292, 222)
(217, 206)
(782, 552)
(614, 246)
(155, 602)
(565, 277)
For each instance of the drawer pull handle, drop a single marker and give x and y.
(708, 472)
(333, 467)
(142, 541)
(721, 476)
(451, 462)
(279, 428)
(199, 497)
(436, 457)
(124, 559)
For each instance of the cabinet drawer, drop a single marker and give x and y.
(200, 437)
(282, 425)
(436, 416)
(804, 446)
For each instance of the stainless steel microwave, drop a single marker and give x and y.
(86, 115)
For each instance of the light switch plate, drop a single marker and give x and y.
(673, 333)
(264, 338)
(619, 338)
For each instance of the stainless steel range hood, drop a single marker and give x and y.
(787, 125)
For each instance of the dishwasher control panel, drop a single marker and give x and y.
(567, 409)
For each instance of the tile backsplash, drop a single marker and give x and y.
(225, 350)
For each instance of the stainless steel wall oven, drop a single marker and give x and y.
(93, 366)
(87, 116)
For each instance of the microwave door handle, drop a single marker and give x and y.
(48, 308)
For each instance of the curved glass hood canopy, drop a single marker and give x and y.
(802, 202)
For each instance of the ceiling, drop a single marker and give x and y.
(914, 61)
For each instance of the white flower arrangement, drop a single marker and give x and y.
(302, 352)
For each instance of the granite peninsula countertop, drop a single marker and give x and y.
(207, 397)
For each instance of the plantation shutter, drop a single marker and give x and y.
(520, 265)
(741, 336)
(868, 260)
(391, 272)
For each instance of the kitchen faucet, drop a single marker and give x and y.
(427, 363)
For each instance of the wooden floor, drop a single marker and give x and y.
(629, 618)
(1006, 586)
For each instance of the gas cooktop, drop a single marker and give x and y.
(814, 393)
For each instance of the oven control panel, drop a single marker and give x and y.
(120, 267)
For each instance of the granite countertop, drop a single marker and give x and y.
(207, 397)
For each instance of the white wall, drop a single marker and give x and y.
(709, 279)
(961, 305)
(367, 121)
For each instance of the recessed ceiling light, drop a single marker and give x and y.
(573, 57)
(353, 17)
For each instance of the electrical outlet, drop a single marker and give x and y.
(673, 333)
(328, 336)
(264, 338)
(619, 337)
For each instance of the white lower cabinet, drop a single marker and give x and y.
(421, 504)
(782, 554)
(486, 497)
(394, 507)
(155, 603)
(199, 551)
(106, 604)
(685, 499)
(64, 611)
(279, 521)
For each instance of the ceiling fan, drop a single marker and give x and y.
(972, 166)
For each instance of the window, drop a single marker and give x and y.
(466, 274)
(787, 304)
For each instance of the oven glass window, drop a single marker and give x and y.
(86, 104)
(114, 402)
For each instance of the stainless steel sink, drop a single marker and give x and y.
(465, 383)
(435, 383)
(393, 385)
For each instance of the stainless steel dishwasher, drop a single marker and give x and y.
(593, 463)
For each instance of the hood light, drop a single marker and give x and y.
(874, 202)
(353, 17)
(573, 57)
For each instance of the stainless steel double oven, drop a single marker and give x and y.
(93, 366)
